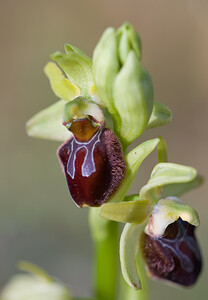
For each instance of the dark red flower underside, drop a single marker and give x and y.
(175, 256)
(94, 167)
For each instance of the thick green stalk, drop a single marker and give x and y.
(105, 237)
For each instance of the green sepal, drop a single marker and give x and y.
(164, 174)
(78, 69)
(128, 40)
(161, 115)
(133, 161)
(133, 99)
(179, 189)
(166, 212)
(60, 85)
(82, 107)
(105, 67)
(129, 246)
(47, 124)
(131, 210)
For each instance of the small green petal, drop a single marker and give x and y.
(128, 211)
(161, 115)
(167, 211)
(78, 69)
(105, 67)
(165, 174)
(60, 84)
(129, 246)
(133, 99)
(133, 161)
(47, 124)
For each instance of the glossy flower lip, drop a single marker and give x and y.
(92, 161)
(175, 256)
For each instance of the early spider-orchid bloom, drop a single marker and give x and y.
(162, 230)
(92, 159)
(170, 250)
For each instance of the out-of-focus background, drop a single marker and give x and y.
(38, 221)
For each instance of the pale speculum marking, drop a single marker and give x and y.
(174, 244)
(88, 166)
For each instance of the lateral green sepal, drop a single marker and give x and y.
(164, 174)
(131, 210)
(47, 124)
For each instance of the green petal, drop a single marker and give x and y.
(78, 69)
(129, 246)
(133, 162)
(60, 84)
(131, 210)
(47, 124)
(161, 115)
(105, 67)
(165, 174)
(133, 99)
(166, 212)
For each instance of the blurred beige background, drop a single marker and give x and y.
(38, 221)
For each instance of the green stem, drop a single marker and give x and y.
(105, 237)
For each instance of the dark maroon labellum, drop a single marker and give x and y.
(175, 256)
(92, 161)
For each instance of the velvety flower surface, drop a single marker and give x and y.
(92, 161)
(175, 256)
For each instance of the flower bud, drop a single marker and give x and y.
(123, 84)
(92, 161)
(174, 256)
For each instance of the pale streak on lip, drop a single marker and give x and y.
(86, 172)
